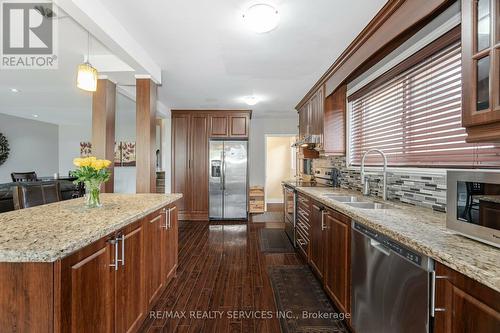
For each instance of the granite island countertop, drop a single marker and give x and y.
(422, 230)
(51, 232)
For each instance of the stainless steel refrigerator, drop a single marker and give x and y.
(228, 179)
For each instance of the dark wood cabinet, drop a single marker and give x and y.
(317, 251)
(198, 168)
(239, 126)
(464, 305)
(103, 287)
(189, 163)
(181, 159)
(219, 126)
(130, 304)
(323, 120)
(481, 70)
(311, 118)
(337, 277)
(229, 124)
(160, 251)
(169, 244)
(334, 122)
(330, 252)
(191, 131)
(153, 247)
(87, 299)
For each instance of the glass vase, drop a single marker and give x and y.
(92, 194)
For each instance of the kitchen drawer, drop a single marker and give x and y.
(302, 245)
(304, 214)
(304, 202)
(303, 233)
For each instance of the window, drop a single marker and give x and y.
(415, 117)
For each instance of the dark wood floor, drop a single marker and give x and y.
(220, 269)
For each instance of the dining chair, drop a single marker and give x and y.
(23, 176)
(31, 195)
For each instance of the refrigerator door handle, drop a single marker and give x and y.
(223, 178)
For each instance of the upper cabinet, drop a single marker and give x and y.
(229, 124)
(334, 121)
(323, 120)
(481, 70)
(311, 118)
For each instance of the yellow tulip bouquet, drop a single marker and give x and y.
(93, 173)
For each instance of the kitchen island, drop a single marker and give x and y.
(66, 268)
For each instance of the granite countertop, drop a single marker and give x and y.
(422, 230)
(488, 198)
(51, 232)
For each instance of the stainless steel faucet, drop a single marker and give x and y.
(364, 179)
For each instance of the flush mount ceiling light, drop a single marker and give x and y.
(251, 100)
(86, 78)
(14, 90)
(261, 18)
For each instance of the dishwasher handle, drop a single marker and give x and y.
(380, 247)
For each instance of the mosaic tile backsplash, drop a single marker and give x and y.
(415, 189)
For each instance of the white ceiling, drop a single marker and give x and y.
(210, 60)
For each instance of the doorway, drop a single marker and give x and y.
(280, 165)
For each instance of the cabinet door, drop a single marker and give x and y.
(219, 126)
(130, 305)
(481, 69)
(239, 126)
(87, 302)
(303, 121)
(170, 245)
(464, 305)
(198, 168)
(180, 159)
(317, 239)
(316, 116)
(334, 122)
(337, 259)
(153, 231)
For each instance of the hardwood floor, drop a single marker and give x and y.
(220, 269)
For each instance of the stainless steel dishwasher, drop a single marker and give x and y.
(390, 285)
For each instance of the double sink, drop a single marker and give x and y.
(355, 202)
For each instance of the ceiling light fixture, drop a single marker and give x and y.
(14, 90)
(87, 75)
(35, 115)
(251, 100)
(261, 18)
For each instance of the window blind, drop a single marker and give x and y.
(415, 118)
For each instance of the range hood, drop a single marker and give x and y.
(309, 141)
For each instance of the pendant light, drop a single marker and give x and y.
(87, 74)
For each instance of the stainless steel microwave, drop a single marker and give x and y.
(473, 204)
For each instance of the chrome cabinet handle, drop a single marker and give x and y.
(115, 243)
(433, 294)
(123, 250)
(323, 225)
(164, 213)
(122, 260)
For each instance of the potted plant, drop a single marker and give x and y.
(93, 173)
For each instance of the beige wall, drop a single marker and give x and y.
(278, 166)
